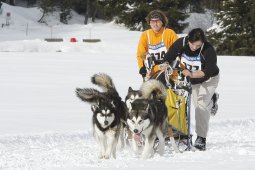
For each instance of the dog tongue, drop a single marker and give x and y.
(137, 137)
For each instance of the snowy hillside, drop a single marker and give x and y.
(43, 125)
(203, 21)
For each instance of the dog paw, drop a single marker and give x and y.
(146, 155)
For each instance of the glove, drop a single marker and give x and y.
(143, 71)
(149, 63)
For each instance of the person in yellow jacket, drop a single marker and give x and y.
(154, 42)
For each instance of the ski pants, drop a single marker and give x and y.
(201, 96)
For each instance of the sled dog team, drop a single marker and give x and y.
(143, 114)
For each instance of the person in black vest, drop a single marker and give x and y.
(199, 60)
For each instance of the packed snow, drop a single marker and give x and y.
(43, 125)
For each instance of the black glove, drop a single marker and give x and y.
(143, 71)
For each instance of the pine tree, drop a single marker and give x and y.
(112, 8)
(133, 13)
(235, 34)
(46, 6)
(196, 6)
(65, 10)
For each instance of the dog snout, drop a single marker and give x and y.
(135, 131)
(106, 122)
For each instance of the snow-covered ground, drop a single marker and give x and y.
(43, 125)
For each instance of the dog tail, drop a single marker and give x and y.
(153, 89)
(104, 81)
(89, 95)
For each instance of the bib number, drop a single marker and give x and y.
(159, 55)
(191, 67)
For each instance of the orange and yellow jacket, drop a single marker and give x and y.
(169, 38)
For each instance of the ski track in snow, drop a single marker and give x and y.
(79, 149)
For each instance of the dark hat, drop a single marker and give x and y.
(156, 16)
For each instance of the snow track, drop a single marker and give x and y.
(233, 136)
(78, 149)
(46, 150)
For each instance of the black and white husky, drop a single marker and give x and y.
(147, 117)
(108, 113)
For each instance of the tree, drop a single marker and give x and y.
(65, 7)
(111, 9)
(235, 30)
(133, 13)
(31, 2)
(46, 6)
(91, 10)
(12, 2)
(88, 8)
(196, 6)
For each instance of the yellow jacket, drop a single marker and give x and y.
(169, 38)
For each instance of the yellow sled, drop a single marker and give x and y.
(176, 109)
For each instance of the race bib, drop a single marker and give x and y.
(191, 63)
(158, 51)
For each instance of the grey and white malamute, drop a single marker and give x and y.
(147, 117)
(108, 114)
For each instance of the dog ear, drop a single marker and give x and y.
(94, 107)
(130, 89)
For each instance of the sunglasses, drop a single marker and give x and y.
(152, 22)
